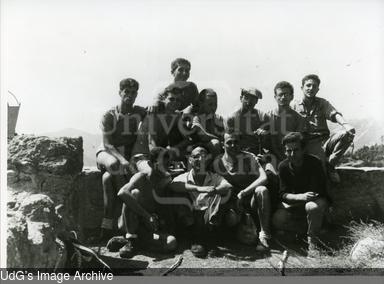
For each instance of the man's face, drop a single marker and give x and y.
(181, 73)
(231, 145)
(198, 159)
(283, 96)
(128, 95)
(310, 88)
(294, 153)
(248, 101)
(209, 105)
(172, 101)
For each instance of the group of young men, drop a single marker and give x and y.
(180, 169)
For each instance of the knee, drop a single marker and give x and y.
(280, 218)
(106, 178)
(261, 190)
(315, 207)
(170, 243)
(135, 193)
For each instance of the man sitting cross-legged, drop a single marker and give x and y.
(207, 192)
(243, 171)
(144, 219)
(302, 191)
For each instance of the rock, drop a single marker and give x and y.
(367, 249)
(59, 156)
(31, 234)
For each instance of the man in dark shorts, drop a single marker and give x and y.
(316, 111)
(145, 220)
(243, 171)
(302, 192)
(119, 129)
(207, 191)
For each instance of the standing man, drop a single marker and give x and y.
(243, 171)
(302, 191)
(316, 111)
(283, 119)
(119, 127)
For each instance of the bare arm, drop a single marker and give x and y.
(261, 180)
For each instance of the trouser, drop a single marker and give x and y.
(332, 149)
(293, 218)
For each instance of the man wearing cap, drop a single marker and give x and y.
(207, 126)
(248, 122)
(282, 119)
(243, 171)
(316, 111)
(119, 127)
(180, 70)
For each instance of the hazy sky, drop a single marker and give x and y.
(64, 59)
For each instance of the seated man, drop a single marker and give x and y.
(145, 220)
(243, 171)
(163, 129)
(208, 126)
(207, 191)
(119, 128)
(282, 120)
(302, 191)
(248, 123)
(316, 111)
(180, 70)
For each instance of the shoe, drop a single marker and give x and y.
(313, 250)
(263, 244)
(198, 250)
(116, 243)
(128, 250)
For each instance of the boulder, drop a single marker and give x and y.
(32, 229)
(367, 249)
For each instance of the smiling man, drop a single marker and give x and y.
(302, 191)
(316, 111)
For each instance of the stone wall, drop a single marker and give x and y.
(49, 192)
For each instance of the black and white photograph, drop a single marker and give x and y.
(191, 138)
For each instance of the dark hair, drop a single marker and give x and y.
(293, 137)
(204, 93)
(309, 77)
(179, 61)
(158, 153)
(282, 85)
(129, 82)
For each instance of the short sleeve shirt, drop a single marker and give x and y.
(122, 128)
(244, 124)
(239, 172)
(280, 124)
(211, 123)
(201, 201)
(316, 116)
(159, 130)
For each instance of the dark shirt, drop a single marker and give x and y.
(310, 177)
(189, 96)
(244, 124)
(122, 128)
